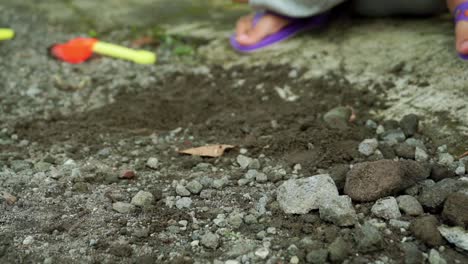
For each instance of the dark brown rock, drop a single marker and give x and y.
(440, 172)
(456, 209)
(425, 229)
(370, 181)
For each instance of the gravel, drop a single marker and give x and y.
(338, 210)
(184, 202)
(303, 195)
(182, 191)
(153, 163)
(194, 187)
(210, 240)
(123, 208)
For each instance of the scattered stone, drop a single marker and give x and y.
(399, 223)
(461, 169)
(338, 250)
(386, 208)
(433, 197)
(184, 202)
(262, 253)
(80, 187)
(127, 175)
(20, 165)
(368, 238)
(317, 256)
(153, 163)
(455, 235)
(182, 191)
(219, 183)
(241, 247)
(194, 187)
(435, 258)
(409, 205)
(235, 220)
(123, 208)
(254, 164)
(425, 229)
(409, 124)
(368, 146)
(420, 155)
(261, 177)
(294, 260)
(243, 161)
(370, 181)
(338, 117)
(446, 159)
(412, 253)
(440, 172)
(405, 151)
(303, 195)
(338, 210)
(456, 209)
(210, 240)
(250, 219)
(393, 136)
(121, 249)
(28, 240)
(143, 199)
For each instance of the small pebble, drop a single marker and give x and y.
(153, 163)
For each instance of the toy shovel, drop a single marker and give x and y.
(79, 50)
(6, 33)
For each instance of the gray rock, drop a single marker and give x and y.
(339, 250)
(262, 253)
(456, 209)
(235, 220)
(435, 258)
(123, 208)
(121, 249)
(338, 210)
(370, 181)
(420, 155)
(152, 163)
(433, 197)
(409, 205)
(210, 240)
(194, 187)
(241, 247)
(409, 124)
(303, 195)
(243, 161)
(446, 159)
(254, 164)
(219, 183)
(338, 117)
(261, 177)
(182, 191)
(399, 223)
(143, 199)
(405, 151)
(393, 136)
(368, 146)
(455, 235)
(440, 172)
(461, 169)
(184, 202)
(317, 256)
(425, 229)
(412, 253)
(20, 165)
(250, 219)
(386, 208)
(368, 238)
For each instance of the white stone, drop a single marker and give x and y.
(243, 161)
(420, 155)
(368, 146)
(386, 208)
(28, 240)
(143, 199)
(300, 196)
(455, 235)
(461, 169)
(152, 163)
(435, 258)
(184, 202)
(262, 253)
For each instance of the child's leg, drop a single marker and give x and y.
(399, 7)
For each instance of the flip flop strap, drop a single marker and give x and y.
(461, 12)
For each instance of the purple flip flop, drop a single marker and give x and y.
(296, 26)
(461, 14)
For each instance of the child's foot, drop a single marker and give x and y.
(461, 29)
(248, 34)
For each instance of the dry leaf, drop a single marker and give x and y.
(137, 43)
(207, 151)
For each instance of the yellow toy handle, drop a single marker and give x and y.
(6, 33)
(137, 56)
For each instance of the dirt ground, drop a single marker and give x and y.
(90, 170)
